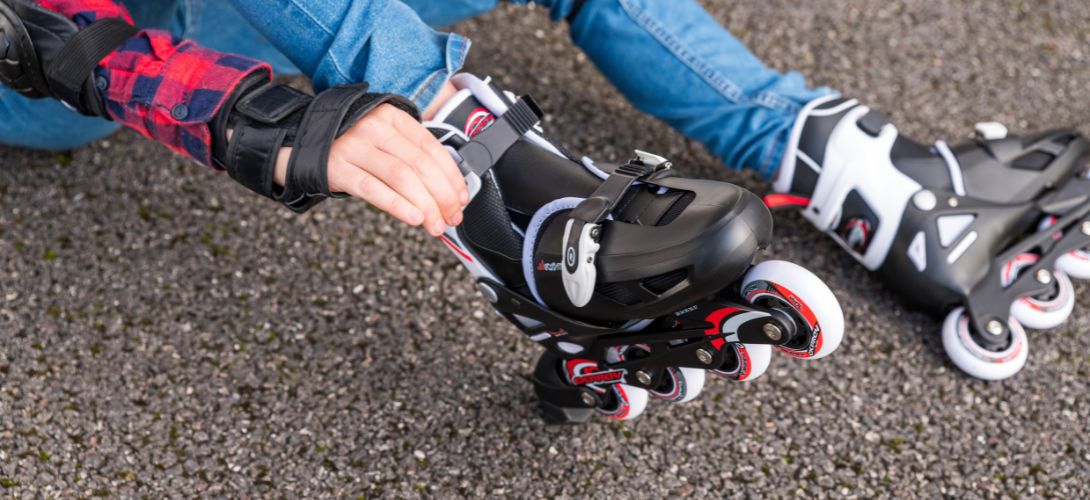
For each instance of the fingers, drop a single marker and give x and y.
(419, 135)
(429, 172)
(364, 186)
(398, 176)
(391, 161)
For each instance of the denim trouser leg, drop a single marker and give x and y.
(673, 61)
(704, 82)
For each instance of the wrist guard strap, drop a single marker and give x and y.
(44, 54)
(265, 117)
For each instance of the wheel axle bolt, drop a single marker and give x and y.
(772, 331)
(705, 356)
(1085, 227)
(1044, 276)
(994, 327)
(643, 377)
(588, 399)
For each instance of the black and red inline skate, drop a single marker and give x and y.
(635, 280)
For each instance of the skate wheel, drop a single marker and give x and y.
(630, 402)
(622, 401)
(1040, 313)
(977, 361)
(681, 384)
(816, 309)
(746, 361)
(1075, 264)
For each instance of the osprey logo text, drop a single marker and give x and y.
(478, 121)
(606, 377)
(548, 266)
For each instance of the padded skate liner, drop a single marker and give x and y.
(491, 228)
(532, 232)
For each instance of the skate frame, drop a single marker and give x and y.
(683, 339)
(989, 301)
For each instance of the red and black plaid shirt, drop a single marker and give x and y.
(165, 88)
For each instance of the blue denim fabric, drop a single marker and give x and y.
(346, 41)
(705, 83)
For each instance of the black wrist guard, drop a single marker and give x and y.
(44, 54)
(264, 117)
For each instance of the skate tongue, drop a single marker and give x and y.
(464, 112)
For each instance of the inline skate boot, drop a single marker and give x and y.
(988, 233)
(635, 280)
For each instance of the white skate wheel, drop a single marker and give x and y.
(625, 402)
(818, 313)
(977, 361)
(752, 361)
(685, 384)
(1075, 264)
(1036, 312)
(631, 401)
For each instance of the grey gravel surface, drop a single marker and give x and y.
(165, 333)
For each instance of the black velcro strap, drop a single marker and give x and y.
(487, 147)
(72, 67)
(598, 205)
(252, 157)
(272, 102)
(307, 181)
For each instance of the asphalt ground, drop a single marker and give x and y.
(164, 333)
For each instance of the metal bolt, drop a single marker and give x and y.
(588, 399)
(772, 331)
(1044, 276)
(1085, 227)
(643, 377)
(705, 356)
(953, 202)
(994, 327)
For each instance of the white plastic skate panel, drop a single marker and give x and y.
(952, 226)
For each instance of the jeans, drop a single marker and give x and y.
(705, 83)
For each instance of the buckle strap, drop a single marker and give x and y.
(597, 207)
(583, 232)
(486, 148)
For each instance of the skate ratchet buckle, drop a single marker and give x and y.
(583, 232)
(477, 156)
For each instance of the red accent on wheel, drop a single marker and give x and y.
(716, 319)
(741, 350)
(786, 200)
(802, 309)
(457, 250)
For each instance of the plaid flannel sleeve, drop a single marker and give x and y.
(167, 89)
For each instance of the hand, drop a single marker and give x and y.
(391, 161)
